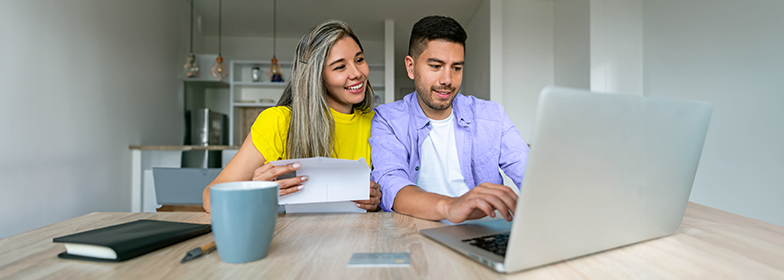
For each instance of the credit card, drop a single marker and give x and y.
(380, 260)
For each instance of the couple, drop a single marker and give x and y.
(435, 154)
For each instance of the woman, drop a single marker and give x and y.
(325, 110)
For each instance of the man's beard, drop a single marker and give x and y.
(429, 99)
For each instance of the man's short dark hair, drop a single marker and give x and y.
(434, 28)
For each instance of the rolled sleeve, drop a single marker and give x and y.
(394, 185)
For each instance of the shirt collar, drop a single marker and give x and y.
(463, 117)
(345, 118)
(461, 110)
(420, 120)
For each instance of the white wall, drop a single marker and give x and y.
(616, 46)
(731, 54)
(527, 32)
(82, 80)
(572, 43)
(476, 74)
(389, 61)
(249, 48)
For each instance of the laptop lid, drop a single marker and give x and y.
(604, 170)
(182, 186)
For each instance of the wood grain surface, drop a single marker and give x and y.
(710, 244)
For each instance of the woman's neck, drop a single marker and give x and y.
(341, 108)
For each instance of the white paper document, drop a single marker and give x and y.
(330, 181)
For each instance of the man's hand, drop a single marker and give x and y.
(375, 198)
(481, 201)
(269, 172)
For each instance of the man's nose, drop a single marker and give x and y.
(446, 78)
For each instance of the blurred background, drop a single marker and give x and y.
(82, 80)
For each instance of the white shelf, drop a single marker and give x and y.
(261, 84)
(205, 80)
(253, 104)
(244, 88)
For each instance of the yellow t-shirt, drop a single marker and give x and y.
(270, 131)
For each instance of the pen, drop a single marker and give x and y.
(198, 252)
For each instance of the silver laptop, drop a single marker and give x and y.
(604, 171)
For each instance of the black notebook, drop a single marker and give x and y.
(125, 241)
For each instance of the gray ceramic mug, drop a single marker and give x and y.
(243, 219)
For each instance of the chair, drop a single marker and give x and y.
(180, 189)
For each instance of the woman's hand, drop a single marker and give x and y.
(269, 172)
(375, 198)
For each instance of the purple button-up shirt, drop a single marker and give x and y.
(485, 138)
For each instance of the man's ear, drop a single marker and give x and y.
(410, 66)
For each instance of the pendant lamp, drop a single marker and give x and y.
(219, 70)
(191, 65)
(274, 72)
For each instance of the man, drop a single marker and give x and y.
(436, 153)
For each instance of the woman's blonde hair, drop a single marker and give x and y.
(312, 128)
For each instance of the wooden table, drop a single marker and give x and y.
(710, 244)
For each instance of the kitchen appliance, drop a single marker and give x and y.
(205, 127)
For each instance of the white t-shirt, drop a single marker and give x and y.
(439, 171)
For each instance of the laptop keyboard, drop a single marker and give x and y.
(495, 243)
